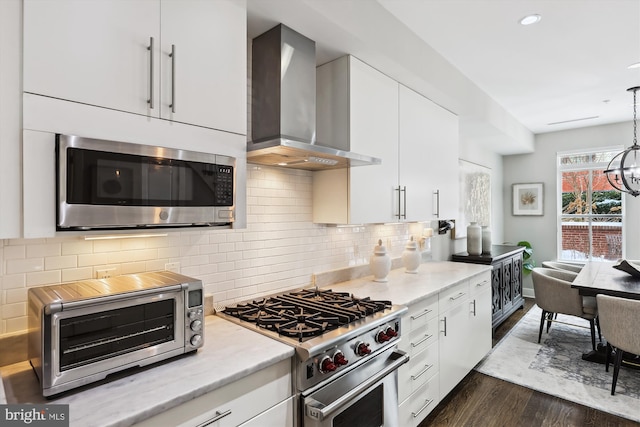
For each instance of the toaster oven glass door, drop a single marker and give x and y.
(92, 337)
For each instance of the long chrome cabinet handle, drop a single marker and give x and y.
(172, 55)
(416, 414)
(481, 284)
(399, 214)
(150, 49)
(474, 308)
(437, 203)
(426, 337)
(424, 313)
(421, 373)
(218, 417)
(404, 190)
(445, 325)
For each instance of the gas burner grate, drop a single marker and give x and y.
(307, 312)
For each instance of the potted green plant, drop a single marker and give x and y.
(528, 264)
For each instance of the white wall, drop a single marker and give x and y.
(540, 166)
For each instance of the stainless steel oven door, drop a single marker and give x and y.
(367, 396)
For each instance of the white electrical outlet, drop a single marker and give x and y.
(104, 273)
(172, 266)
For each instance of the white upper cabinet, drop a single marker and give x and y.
(416, 139)
(360, 104)
(116, 54)
(428, 153)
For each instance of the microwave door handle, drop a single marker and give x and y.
(320, 411)
(120, 297)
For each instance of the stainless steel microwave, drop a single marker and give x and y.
(83, 331)
(115, 185)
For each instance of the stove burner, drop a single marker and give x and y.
(306, 313)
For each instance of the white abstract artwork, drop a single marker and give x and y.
(475, 196)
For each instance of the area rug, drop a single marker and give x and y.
(555, 366)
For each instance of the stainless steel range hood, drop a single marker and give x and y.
(283, 106)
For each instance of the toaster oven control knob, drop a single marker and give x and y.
(196, 326)
(362, 348)
(196, 340)
(164, 215)
(339, 358)
(391, 333)
(326, 365)
(382, 337)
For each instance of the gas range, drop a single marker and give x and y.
(332, 332)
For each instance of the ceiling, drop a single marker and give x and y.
(506, 81)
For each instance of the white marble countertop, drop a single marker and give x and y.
(230, 352)
(406, 289)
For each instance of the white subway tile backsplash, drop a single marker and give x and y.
(279, 250)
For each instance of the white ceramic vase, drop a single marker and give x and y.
(411, 257)
(486, 239)
(380, 263)
(474, 239)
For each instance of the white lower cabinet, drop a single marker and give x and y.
(255, 400)
(445, 335)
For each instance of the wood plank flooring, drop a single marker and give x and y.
(484, 401)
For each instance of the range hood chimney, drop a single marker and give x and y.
(283, 106)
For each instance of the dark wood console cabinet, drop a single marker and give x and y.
(506, 278)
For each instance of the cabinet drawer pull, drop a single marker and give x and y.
(218, 417)
(445, 325)
(425, 312)
(150, 49)
(416, 414)
(481, 284)
(421, 373)
(426, 337)
(474, 307)
(460, 295)
(172, 55)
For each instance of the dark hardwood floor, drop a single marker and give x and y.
(484, 401)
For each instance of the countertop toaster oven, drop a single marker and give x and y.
(83, 331)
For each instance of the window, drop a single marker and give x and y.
(590, 218)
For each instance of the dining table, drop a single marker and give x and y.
(600, 277)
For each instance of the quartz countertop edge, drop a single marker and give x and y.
(230, 352)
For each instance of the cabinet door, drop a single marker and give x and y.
(454, 348)
(373, 110)
(94, 52)
(479, 320)
(414, 149)
(204, 82)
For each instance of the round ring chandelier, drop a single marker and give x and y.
(623, 171)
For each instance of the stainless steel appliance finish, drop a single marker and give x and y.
(81, 332)
(346, 360)
(114, 185)
(283, 107)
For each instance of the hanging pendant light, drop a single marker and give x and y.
(623, 171)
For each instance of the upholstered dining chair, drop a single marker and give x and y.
(554, 294)
(574, 268)
(619, 322)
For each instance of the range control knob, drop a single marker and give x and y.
(382, 337)
(326, 365)
(196, 340)
(339, 358)
(196, 326)
(391, 333)
(362, 348)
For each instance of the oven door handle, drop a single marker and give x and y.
(319, 411)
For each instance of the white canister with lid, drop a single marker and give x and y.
(380, 263)
(411, 257)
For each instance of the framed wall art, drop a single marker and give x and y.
(528, 198)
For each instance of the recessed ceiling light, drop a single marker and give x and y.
(636, 65)
(530, 19)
